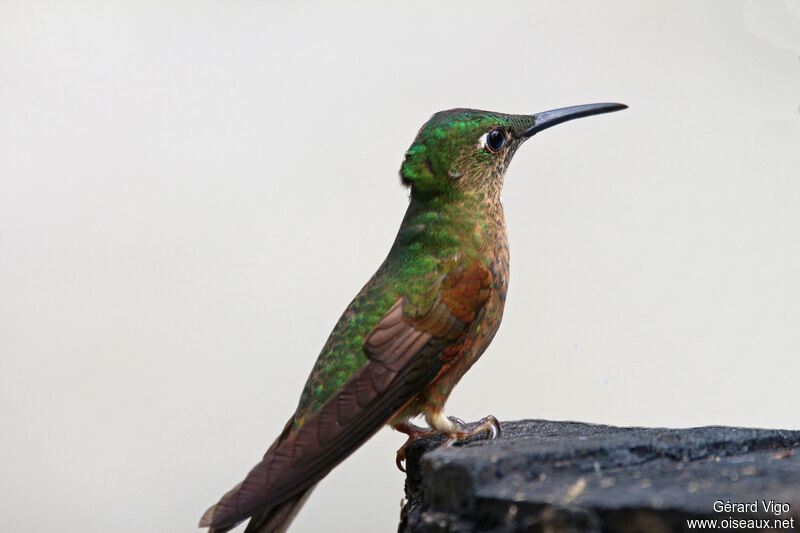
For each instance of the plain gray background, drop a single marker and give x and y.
(191, 193)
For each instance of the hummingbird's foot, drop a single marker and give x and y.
(488, 423)
(453, 427)
(414, 432)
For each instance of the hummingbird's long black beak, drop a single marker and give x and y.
(547, 119)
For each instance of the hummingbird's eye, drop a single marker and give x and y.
(495, 139)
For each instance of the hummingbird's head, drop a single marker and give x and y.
(467, 150)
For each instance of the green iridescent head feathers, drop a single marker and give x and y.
(462, 150)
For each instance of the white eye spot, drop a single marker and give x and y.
(482, 141)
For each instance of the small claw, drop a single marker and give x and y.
(401, 457)
(414, 432)
(491, 424)
(460, 424)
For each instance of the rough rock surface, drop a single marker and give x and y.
(542, 476)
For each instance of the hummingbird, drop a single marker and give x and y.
(422, 320)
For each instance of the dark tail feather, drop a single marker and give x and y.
(278, 518)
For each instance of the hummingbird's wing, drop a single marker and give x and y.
(406, 350)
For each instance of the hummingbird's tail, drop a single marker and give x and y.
(278, 518)
(275, 519)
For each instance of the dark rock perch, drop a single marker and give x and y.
(545, 476)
